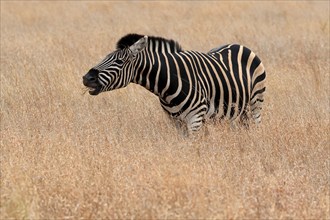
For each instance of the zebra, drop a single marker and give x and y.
(227, 82)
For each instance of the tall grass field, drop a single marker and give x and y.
(68, 155)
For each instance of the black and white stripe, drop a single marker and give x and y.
(227, 82)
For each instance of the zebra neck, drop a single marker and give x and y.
(151, 72)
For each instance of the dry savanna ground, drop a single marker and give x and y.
(66, 154)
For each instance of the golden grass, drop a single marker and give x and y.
(65, 154)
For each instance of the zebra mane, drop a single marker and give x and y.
(130, 39)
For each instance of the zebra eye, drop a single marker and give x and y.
(119, 62)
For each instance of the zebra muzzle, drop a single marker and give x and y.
(94, 90)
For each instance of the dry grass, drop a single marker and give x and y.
(68, 155)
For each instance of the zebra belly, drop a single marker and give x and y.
(222, 112)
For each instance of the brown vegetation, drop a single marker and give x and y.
(65, 154)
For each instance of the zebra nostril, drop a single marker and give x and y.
(92, 79)
(89, 80)
(91, 76)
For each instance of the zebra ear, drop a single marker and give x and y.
(139, 45)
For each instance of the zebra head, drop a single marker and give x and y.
(116, 70)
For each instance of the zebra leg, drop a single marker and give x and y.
(256, 106)
(258, 91)
(194, 124)
(195, 119)
(244, 119)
